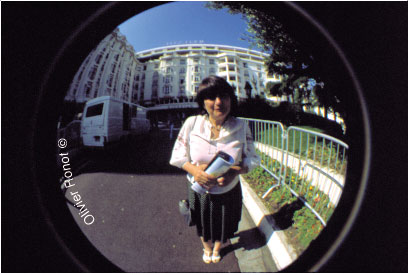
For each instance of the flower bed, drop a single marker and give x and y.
(305, 226)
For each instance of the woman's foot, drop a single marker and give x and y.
(216, 257)
(207, 257)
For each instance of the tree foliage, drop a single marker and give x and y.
(272, 89)
(287, 56)
(268, 34)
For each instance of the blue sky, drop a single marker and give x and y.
(181, 22)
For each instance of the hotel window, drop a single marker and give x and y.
(167, 79)
(212, 71)
(182, 81)
(169, 70)
(128, 72)
(245, 65)
(211, 61)
(81, 73)
(197, 78)
(196, 69)
(88, 88)
(98, 58)
(196, 59)
(109, 81)
(93, 72)
(113, 67)
(167, 89)
(232, 78)
(182, 62)
(154, 92)
(156, 66)
(182, 70)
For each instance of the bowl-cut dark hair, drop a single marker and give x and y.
(215, 85)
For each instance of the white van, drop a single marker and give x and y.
(107, 120)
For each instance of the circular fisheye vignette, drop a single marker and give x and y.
(103, 18)
(352, 216)
(365, 158)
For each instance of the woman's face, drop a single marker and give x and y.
(219, 107)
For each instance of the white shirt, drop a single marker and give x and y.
(194, 145)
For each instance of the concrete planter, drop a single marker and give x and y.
(282, 252)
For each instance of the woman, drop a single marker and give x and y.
(216, 213)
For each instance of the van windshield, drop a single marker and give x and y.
(94, 110)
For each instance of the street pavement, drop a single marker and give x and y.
(132, 193)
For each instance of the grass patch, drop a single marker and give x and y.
(306, 146)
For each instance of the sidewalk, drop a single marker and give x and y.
(128, 235)
(254, 257)
(276, 253)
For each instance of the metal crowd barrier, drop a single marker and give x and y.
(311, 164)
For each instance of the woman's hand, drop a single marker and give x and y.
(204, 179)
(231, 174)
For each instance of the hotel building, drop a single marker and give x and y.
(165, 75)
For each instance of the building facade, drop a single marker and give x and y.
(110, 69)
(165, 75)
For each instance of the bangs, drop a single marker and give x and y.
(215, 86)
(213, 92)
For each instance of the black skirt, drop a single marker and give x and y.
(216, 216)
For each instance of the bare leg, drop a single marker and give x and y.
(207, 257)
(217, 246)
(207, 245)
(215, 255)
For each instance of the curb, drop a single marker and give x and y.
(282, 253)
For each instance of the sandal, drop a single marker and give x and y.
(207, 257)
(216, 257)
